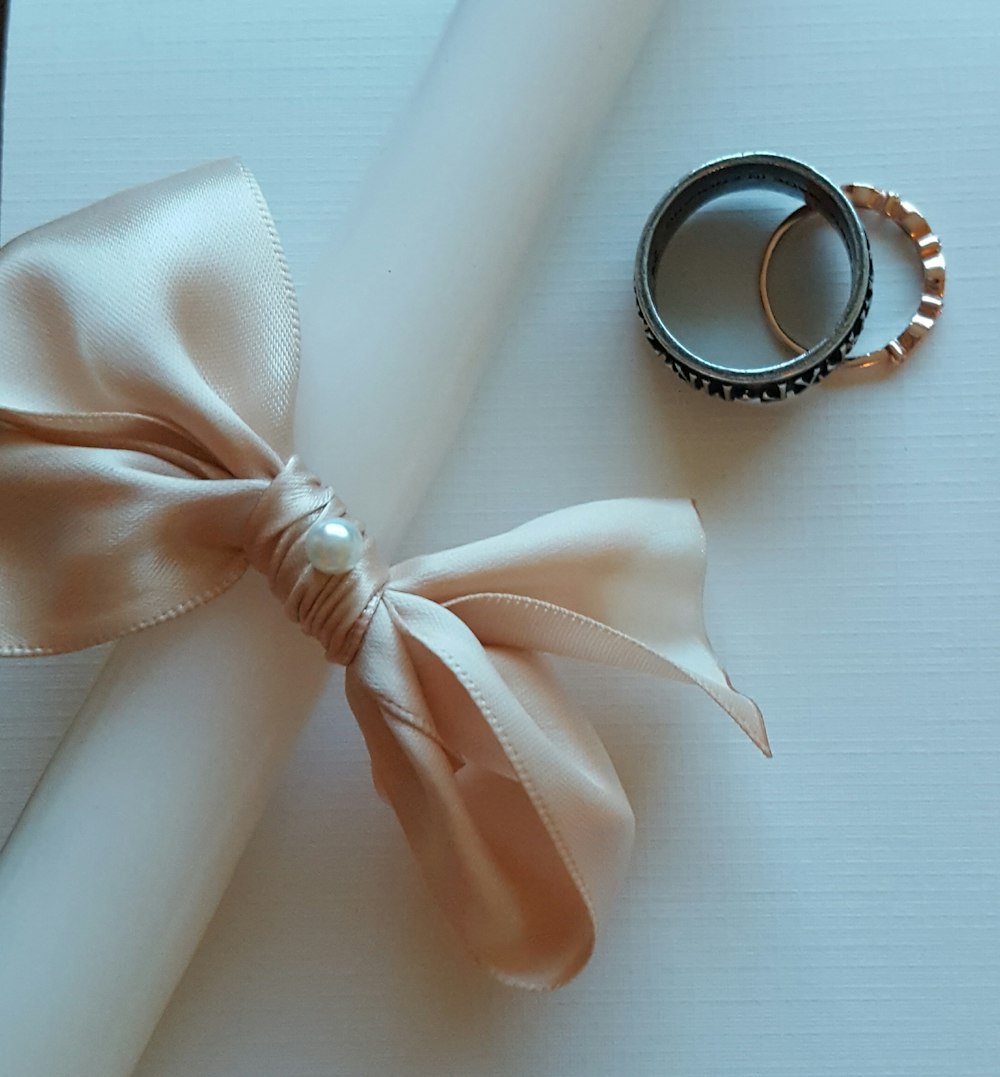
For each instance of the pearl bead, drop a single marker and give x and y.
(334, 545)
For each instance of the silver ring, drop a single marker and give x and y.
(762, 171)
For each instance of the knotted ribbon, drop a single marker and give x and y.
(147, 375)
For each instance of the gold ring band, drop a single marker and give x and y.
(914, 224)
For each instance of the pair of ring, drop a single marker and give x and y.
(839, 207)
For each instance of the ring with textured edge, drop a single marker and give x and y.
(767, 171)
(914, 224)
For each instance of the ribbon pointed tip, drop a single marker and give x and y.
(758, 734)
(750, 719)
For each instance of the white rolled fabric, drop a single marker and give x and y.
(126, 847)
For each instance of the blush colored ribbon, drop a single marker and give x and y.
(149, 364)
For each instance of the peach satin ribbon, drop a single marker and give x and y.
(147, 374)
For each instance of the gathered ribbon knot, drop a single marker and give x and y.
(148, 370)
(334, 609)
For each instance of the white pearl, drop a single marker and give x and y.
(334, 545)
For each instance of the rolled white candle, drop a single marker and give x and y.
(124, 851)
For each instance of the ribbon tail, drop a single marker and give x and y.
(529, 623)
(618, 582)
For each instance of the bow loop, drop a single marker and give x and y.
(171, 300)
(510, 803)
(147, 343)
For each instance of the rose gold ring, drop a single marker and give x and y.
(915, 225)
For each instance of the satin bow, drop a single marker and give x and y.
(148, 370)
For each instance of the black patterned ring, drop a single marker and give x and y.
(767, 171)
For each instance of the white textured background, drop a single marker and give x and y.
(832, 913)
